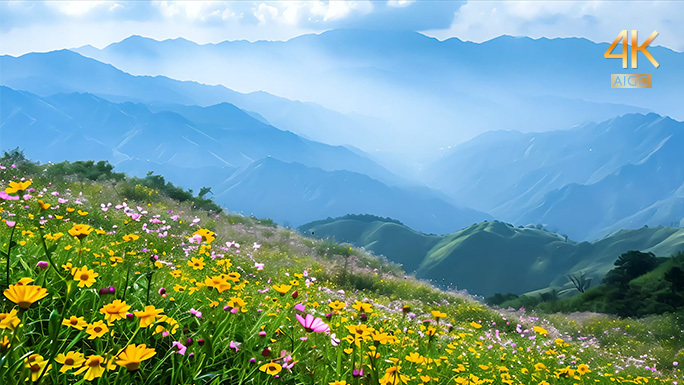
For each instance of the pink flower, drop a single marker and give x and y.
(235, 345)
(181, 348)
(196, 313)
(299, 307)
(312, 324)
(42, 264)
(334, 341)
(10, 223)
(259, 266)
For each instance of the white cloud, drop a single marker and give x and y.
(595, 20)
(27, 26)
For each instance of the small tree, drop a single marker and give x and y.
(580, 281)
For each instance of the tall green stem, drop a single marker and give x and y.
(9, 251)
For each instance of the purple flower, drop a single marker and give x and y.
(107, 290)
(43, 265)
(180, 347)
(312, 324)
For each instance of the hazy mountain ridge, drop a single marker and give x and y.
(452, 88)
(295, 194)
(228, 150)
(579, 181)
(492, 257)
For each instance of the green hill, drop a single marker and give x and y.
(494, 257)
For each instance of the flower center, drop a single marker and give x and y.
(69, 361)
(97, 329)
(35, 368)
(94, 363)
(84, 277)
(74, 322)
(131, 366)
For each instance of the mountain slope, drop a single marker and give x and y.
(215, 136)
(65, 71)
(494, 257)
(295, 193)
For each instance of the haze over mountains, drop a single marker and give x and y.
(451, 90)
(437, 134)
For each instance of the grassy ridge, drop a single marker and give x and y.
(517, 259)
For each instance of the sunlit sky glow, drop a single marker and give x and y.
(27, 26)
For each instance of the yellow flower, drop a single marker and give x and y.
(9, 320)
(54, 237)
(115, 311)
(96, 329)
(131, 357)
(82, 213)
(5, 345)
(539, 367)
(540, 330)
(25, 281)
(43, 205)
(84, 276)
(337, 305)
(218, 282)
(35, 363)
(196, 263)
(93, 367)
(77, 323)
(363, 307)
(343, 382)
(282, 289)
(207, 235)
(131, 237)
(238, 304)
(271, 368)
(15, 187)
(583, 369)
(80, 231)
(149, 315)
(475, 325)
(175, 273)
(438, 314)
(171, 328)
(25, 295)
(70, 360)
(414, 357)
(393, 377)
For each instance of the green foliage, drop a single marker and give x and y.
(656, 291)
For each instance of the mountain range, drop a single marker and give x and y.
(252, 167)
(586, 182)
(450, 90)
(494, 257)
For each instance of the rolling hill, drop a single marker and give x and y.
(494, 257)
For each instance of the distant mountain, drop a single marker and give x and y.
(221, 136)
(586, 182)
(296, 194)
(494, 257)
(451, 90)
(65, 71)
(246, 162)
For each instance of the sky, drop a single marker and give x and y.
(27, 26)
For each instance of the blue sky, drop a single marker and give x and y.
(27, 26)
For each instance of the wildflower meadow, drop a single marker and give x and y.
(107, 289)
